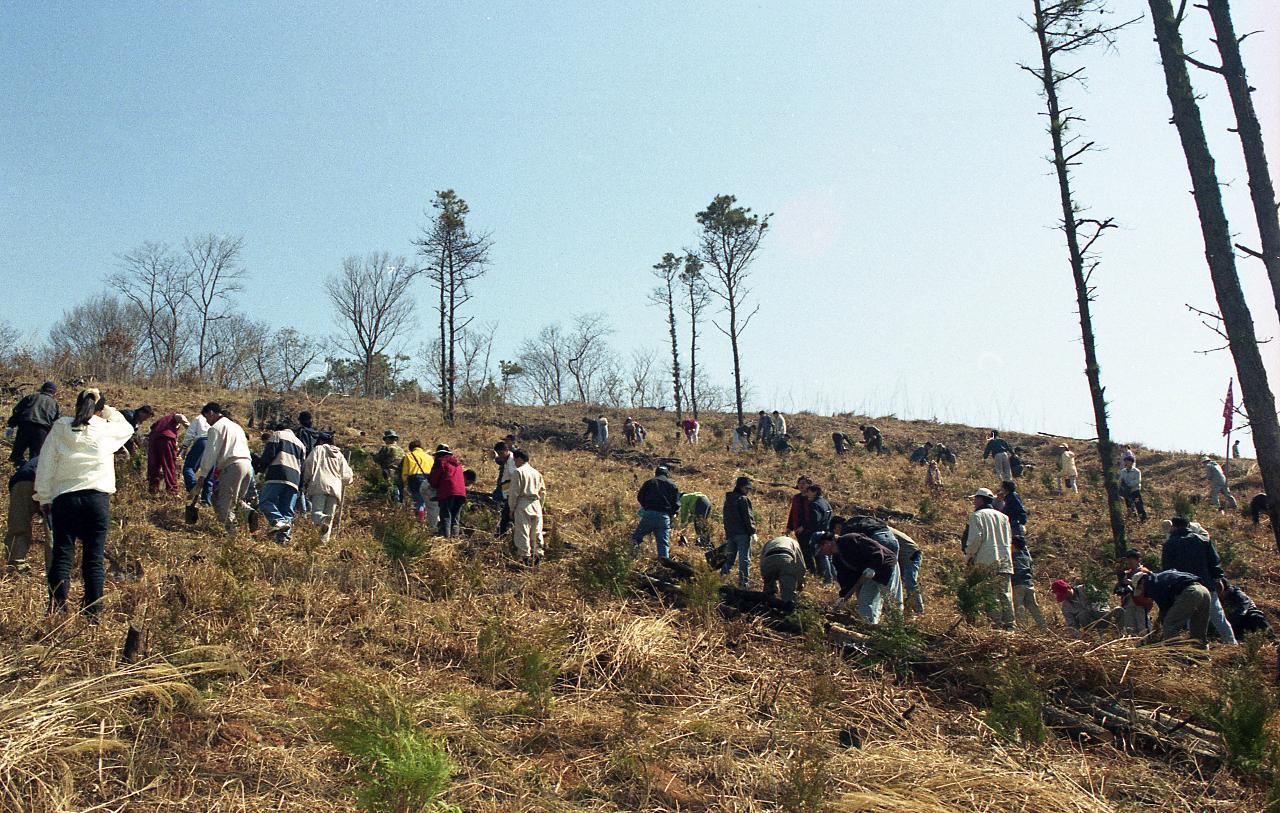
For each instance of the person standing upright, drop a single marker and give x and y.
(739, 529)
(527, 494)
(659, 500)
(1131, 488)
(764, 428)
(988, 543)
(506, 462)
(75, 479)
(1013, 508)
(226, 451)
(446, 477)
(389, 458)
(1068, 476)
(999, 450)
(31, 420)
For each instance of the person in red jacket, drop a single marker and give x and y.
(796, 515)
(447, 479)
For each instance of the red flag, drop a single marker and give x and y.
(1229, 408)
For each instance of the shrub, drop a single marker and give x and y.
(1017, 705)
(812, 624)
(1183, 506)
(1046, 480)
(1232, 562)
(537, 677)
(402, 538)
(603, 569)
(974, 590)
(399, 766)
(807, 784)
(1242, 707)
(701, 594)
(895, 643)
(927, 511)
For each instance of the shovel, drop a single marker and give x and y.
(192, 512)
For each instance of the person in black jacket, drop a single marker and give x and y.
(659, 500)
(1243, 615)
(31, 419)
(1189, 551)
(739, 529)
(1183, 603)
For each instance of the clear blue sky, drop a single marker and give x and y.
(912, 269)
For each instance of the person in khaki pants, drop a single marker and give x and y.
(528, 492)
(1183, 602)
(22, 509)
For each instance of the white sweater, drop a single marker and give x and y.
(227, 442)
(990, 540)
(81, 459)
(198, 429)
(326, 472)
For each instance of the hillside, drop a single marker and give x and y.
(549, 693)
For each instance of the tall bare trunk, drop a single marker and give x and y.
(1070, 225)
(675, 351)
(737, 365)
(1236, 318)
(1255, 154)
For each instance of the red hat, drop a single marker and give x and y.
(1061, 590)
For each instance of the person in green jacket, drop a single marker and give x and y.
(695, 509)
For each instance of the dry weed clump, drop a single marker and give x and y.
(544, 695)
(55, 713)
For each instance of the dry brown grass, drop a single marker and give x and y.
(652, 708)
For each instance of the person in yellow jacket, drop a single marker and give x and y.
(414, 469)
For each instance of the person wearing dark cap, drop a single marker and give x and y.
(1244, 615)
(506, 471)
(659, 500)
(446, 477)
(1183, 602)
(872, 438)
(31, 419)
(306, 432)
(389, 459)
(528, 491)
(136, 417)
(1192, 551)
(739, 529)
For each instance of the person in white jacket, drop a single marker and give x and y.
(527, 493)
(325, 477)
(1068, 476)
(226, 451)
(988, 543)
(75, 479)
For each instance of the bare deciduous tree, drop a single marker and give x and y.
(587, 355)
(234, 342)
(455, 258)
(282, 359)
(1237, 321)
(541, 361)
(213, 274)
(667, 270)
(100, 338)
(9, 338)
(154, 279)
(644, 386)
(730, 237)
(370, 301)
(1064, 27)
(697, 299)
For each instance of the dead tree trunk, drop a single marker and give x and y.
(1236, 318)
(1250, 131)
(1061, 28)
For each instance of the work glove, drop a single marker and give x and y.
(840, 604)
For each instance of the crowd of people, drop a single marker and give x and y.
(65, 471)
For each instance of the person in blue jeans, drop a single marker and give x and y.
(659, 500)
(282, 457)
(195, 439)
(739, 529)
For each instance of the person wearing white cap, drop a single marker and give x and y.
(1217, 484)
(988, 543)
